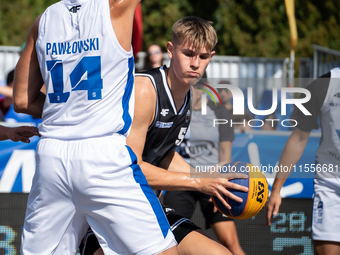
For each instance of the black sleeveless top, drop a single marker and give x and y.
(169, 127)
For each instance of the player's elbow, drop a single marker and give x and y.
(20, 105)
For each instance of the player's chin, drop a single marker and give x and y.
(193, 79)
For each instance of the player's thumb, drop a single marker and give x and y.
(22, 139)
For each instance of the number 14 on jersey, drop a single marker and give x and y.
(85, 76)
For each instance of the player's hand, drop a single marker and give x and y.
(22, 133)
(216, 183)
(273, 206)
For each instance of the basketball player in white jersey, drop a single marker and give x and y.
(85, 174)
(324, 103)
(17, 134)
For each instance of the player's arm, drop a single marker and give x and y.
(225, 151)
(145, 105)
(298, 139)
(291, 154)
(226, 135)
(16, 134)
(185, 177)
(122, 14)
(28, 81)
(6, 91)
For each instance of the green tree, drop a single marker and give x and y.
(254, 28)
(17, 17)
(249, 28)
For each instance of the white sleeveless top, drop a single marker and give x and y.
(328, 152)
(89, 77)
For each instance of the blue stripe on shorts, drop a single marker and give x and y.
(148, 192)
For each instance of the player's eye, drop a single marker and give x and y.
(204, 57)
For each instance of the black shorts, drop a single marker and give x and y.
(184, 203)
(180, 226)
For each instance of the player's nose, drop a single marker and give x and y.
(195, 61)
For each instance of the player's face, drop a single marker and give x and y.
(188, 63)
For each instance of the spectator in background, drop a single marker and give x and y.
(154, 57)
(226, 96)
(6, 92)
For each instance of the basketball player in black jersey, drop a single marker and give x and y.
(161, 119)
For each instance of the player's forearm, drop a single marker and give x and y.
(159, 178)
(34, 107)
(6, 91)
(291, 154)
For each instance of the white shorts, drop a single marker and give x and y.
(92, 182)
(326, 210)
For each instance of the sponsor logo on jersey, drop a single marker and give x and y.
(337, 95)
(160, 124)
(167, 209)
(74, 9)
(164, 112)
(187, 117)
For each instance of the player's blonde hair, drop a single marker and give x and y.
(196, 32)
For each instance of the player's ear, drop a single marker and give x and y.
(212, 54)
(170, 49)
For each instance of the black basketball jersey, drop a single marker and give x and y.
(169, 127)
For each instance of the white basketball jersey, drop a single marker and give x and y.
(89, 77)
(328, 153)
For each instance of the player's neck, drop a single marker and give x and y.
(178, 90)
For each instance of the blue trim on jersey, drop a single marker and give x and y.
(126, 98)
(148, 192)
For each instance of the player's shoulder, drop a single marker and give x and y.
(144, 87)
(320, 84)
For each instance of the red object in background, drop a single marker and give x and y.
(137, 33)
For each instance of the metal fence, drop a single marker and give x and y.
(251, 72)
(9, 56)
(242, 71)
(324, 59)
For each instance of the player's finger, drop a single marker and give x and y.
(269, 214)
(276, 209)
(215, 209)
(218, 195)
(29, 131)
(231, 176)
(231, 195)
(24, 139)
(235, 186)
(17, 137)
